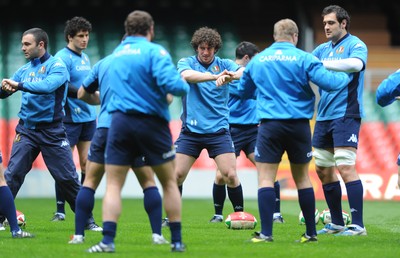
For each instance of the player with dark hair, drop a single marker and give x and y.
(80, 117)
(337, 128)
(205, 113)
(243, 126)
(279, 77)
(96, 90)
(143, 75)
(42, 81)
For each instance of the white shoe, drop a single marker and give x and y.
(77, 239)
(331, 228)
(353, 230)
(2, 228)
(159, 239)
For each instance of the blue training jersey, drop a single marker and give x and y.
(142, 74)
(348, 101)
(388, 89)
(205, 108)
(78, 65)
(242, 111)
(43, 84)
(280, 75)
(98, 79)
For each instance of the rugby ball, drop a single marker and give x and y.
(302, 221)
(240, 220)
(325, 217)
(20, 219)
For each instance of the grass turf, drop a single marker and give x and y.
(203, 239)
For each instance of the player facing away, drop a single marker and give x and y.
(95, 90)
(243, 126)
(279, 78)
(144, 75)
(338, 122)
(80, 117)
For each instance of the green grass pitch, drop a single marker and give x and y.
(203, 239)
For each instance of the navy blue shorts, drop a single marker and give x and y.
(215, 143)
(77, 132)
(277, 136)
(98, 148)
(244, 138)
(134, 136)
(341, 132)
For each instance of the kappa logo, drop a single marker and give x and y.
(64, 143)
(353, 138)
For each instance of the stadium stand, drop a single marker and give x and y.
(368, 22)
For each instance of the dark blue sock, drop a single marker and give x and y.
(219, 196)
(109, 232)
(60, 200)
(307, 205)
(236, 197)
(7, 207)
(277, 187)
(83, 208)
(333, 197)
(153, 205)
(355, 196)
(176, 232)
(266, 207)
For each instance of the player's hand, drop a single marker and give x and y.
(224, 79)
(9, 85)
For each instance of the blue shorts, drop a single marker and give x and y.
(341, 132)
(244, 138)
(77, 132)
(134, 136)
(215, 143)
(277, 136)
(98, 148)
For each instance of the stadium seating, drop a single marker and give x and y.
(375, 139)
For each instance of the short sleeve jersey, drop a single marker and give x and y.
(205, 108)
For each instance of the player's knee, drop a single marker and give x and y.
(323, 158)
(345, 157)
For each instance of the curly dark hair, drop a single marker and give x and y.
(206, 35)
(75, 25)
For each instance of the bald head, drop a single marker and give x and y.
(286, 30)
